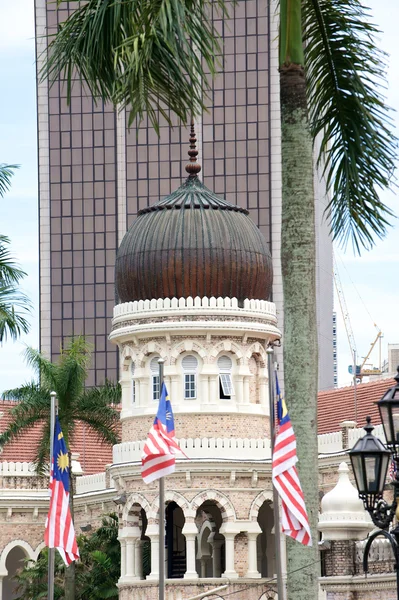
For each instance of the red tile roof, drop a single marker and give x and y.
(94, 454)
(337, 405)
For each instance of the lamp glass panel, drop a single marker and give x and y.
(395, 420)
(372, 465)
(358, 471)
(384, 412)
(385, 461)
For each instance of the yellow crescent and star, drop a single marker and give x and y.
(62, 458)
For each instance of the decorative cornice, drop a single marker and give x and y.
(355, 583)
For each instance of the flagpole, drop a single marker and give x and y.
(51, 551)
(276, 511)
(161, 595)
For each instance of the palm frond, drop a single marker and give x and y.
(145, 56)
(44, 368)
(94, 407)
(10, 273)
(13, 323)
(33, 407)
(6, 173)
(345, 74)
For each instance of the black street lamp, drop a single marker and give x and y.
(370, 460)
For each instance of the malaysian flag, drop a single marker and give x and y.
(285, 478)
(60, 532)
(159, 451)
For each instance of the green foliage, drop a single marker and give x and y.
(14, 305)
(345, 72)
(6, 173)
(97, 571)
(92, 406)
(149, 56)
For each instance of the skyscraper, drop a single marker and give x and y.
(95, 175)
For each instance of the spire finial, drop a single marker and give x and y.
(193, 168)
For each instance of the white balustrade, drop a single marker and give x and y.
(202, 448)
(17, 469)
(330, 442)
(356, 434)
(91, 483)
(192, 305)
(381, 550)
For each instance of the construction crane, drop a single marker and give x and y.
(345, 312)
(361, 370)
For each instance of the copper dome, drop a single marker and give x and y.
(193, 243)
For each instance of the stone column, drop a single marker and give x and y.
(122, 542)
(153, 534)
(263, 392)
(190, 531)
(246, 399)
(216, 558)
(174, 390)
(230, 572)
(252, 556)
(204, 380)
(239, 389)
(126, 392)
(138, 559)
(1, 586)
(203, 568)
(130, 547)
(214, 389)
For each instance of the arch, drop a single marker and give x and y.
(222, 502)
(264, 496)
(135, 498)
(172, 496)
(15, 544)
(227, 346)
(39, 549)
(187, 346)
(257, 348)
(152, 348)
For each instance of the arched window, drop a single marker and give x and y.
(226, 389)
(132, 368)
(190, 365)
(154, 368)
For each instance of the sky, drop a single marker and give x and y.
(370, 283)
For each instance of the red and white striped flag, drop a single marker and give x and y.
(295, 522)
(60, 532)
(158, 457)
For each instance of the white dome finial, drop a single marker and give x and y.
(342, 513)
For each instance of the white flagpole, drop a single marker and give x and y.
(51, 551)
(161, 595)
(276, 505)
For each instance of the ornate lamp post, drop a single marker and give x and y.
(370, 460)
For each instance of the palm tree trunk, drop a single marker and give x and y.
(70, 583)
(300, 327)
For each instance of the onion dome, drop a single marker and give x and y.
(193, 243)
(342, 512)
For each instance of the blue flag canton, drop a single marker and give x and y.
(61, 458)
(282, 412)
(165, 414)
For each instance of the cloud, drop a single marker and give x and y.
(17, 26)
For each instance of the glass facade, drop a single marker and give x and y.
(83, 167)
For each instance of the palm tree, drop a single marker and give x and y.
(135, 53)
(92, 406)
(12, 323)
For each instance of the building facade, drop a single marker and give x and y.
(95, 175)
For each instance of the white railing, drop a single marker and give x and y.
(184, 304)
(356, 434)
(205, 448)
(330, 442)
(380, 550)
(17, 469)
(91, 483)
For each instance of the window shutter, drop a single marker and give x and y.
(154, 366)
(224, 363)
(189, 363)
(132, 368)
